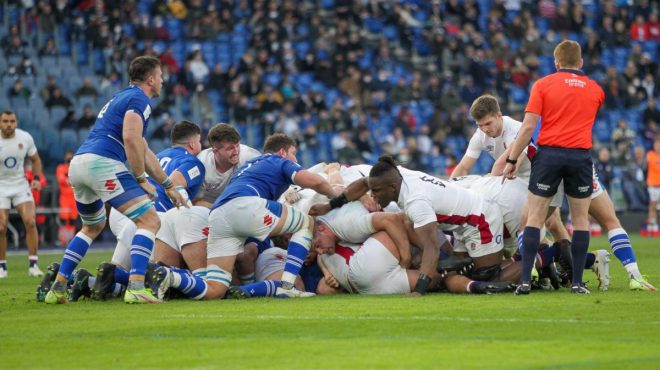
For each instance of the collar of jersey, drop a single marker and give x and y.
(576, 71)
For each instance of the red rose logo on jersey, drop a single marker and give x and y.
(110, 185)
(268, 220)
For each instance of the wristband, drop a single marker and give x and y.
(423, 282)
(167, 183)
(512, 161)
(141, 178)
(339, 201)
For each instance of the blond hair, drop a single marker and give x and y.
(568, 54)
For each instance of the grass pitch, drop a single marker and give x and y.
(618, 329)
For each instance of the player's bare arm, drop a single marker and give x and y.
(464, 166)
(523, 139)
(37, 170)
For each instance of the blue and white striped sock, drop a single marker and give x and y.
(295, 257)
(191, 285)
(265, 288)
(622, 249)
(74, 253)
(141, 246)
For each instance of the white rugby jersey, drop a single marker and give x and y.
(12, 157)
(351, 224)
(426, 199)
(214, 181)
(495, 147)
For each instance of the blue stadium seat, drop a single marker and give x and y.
(374, 25)
(57, 114)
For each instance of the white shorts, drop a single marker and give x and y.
(558, 198)
(182, 226)
(374, 270)
(15, 195)
(94, 177)
(470, 239)
(123, 228)
(654, 193)
(236, 220)
(269, 262)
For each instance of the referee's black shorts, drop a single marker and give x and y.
(552, 164)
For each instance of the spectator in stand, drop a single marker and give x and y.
(87, 119)
(87, 89)
(58, 100)
(18, 90)
(653, 182)
(605, 168)
(654, 27)
(49, 49)
(68, 212)
(163, 131)
(47, 91)
(623, 138)
(26, 68)
(639, 30)
(69, 121)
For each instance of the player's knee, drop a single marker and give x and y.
(149, 221)
(93, 230)
(218, 280)
(30, 223)
(304, 235)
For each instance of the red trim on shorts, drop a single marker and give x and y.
(473, 220)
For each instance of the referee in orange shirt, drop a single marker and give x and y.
(567, 101)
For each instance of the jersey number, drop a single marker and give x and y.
(164, 162)
(105, 108)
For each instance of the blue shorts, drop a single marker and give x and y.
(552, 164)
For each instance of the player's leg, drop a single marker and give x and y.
(4, 222)
(602, 210)
(245, 262)
(654, 197)
(93, 220)
(26, 210)
(300, 225)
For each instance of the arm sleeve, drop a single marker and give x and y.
(289, 170)
(31, 148)
(140, 105)
(420, 213)
(475, 146)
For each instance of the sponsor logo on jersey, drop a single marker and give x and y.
(268, 220)
(205, 231)
(193, 172)
(110, 185)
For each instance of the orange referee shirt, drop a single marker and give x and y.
(653, 161)
(568, 102)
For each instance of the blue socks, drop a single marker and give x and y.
(261, 289)
(74, 253)
(295, 256)
(621, 247)
(121, 276)
(142, 244)
(191, 285)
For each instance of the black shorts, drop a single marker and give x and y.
(551, 165)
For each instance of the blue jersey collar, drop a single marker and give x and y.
(576, 71)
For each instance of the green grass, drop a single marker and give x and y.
(548, 330)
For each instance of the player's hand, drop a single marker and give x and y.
(291, 196)
(332, 168)
(370, 203)
(35, 184)
(319, 209)
(331, 281)
(509, 172)
(176, 197)
(149, 189)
